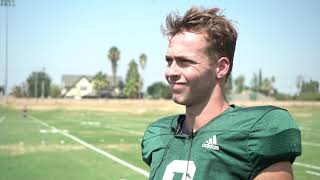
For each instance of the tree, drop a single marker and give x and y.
(142, 61)
(114, 56)
(266, 87)
(309, 87)
(299, 82)
(255, 83)
(229, 86)
(2, 90)
(55, 91)
(239, 82)
(133, 83)
(262, 85)
(159, 90)
(308, 90)
(17, 91)
(260, 79)
(100, 81)
(38, 84)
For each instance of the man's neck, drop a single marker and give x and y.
(200, 114)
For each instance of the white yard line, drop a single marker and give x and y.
(311, 144)
(313, 173)
(307, 165)
(39, 121)
(120, 161)
(141, 171)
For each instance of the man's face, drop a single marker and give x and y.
(189, 71)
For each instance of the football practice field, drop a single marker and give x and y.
(91, 145)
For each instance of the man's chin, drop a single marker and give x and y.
(179, 100)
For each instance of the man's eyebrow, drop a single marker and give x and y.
(179, 58)
(182, 58)
(168, 58)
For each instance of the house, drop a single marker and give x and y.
(82, 86)
(76, 86)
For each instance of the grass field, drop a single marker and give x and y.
(56, 144)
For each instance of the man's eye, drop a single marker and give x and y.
(169, 61)
(186, 63)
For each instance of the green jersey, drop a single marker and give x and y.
(237, 144)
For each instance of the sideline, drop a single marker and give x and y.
(120, 161)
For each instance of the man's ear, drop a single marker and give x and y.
(222, 67)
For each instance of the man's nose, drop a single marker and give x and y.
(173, 72)
(173, 69)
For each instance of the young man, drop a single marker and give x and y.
(214, 140)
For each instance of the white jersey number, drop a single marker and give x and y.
(180, 166)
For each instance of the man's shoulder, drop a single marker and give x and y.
(161, 126)
(258, 113)
(156, 136)
(271, 127)
(257, 110)
(244, 118)
(167, 121)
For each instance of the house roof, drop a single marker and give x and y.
(69, 81)
(110, 79)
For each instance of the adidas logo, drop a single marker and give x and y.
(211, 143)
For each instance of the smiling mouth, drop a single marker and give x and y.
(177, 83)
(177, 86)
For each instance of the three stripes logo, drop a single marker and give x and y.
(211, 143)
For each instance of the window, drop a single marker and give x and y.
(83, 88)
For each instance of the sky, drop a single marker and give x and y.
(73, 37)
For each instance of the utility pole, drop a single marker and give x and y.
(42, 89)
(6, 4)
(42, 84)
(36, 86)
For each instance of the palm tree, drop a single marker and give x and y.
(142, 61)
(114, 56)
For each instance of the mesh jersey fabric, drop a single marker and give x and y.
(237, 144)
